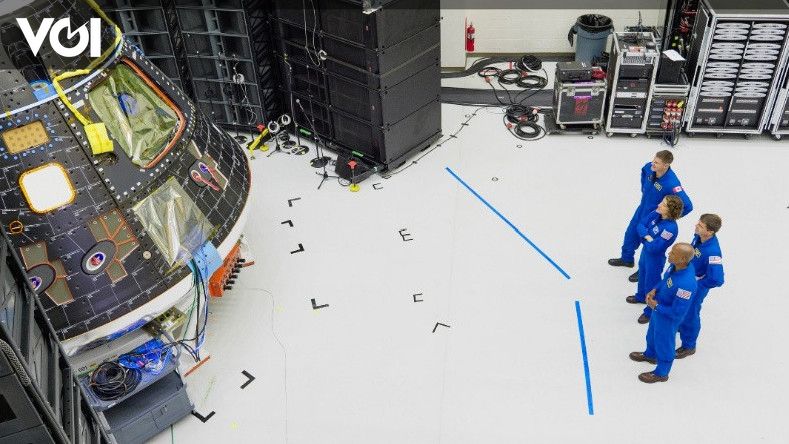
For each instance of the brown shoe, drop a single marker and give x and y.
(632, 300)
(640, 357)
(684, 352)
(643, 319)
(650, 378)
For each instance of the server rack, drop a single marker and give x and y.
(40, 399)
(779, 121)
(631, 75)
(667, 108)
(366, 82)
(735, 59)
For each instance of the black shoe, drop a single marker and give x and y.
(617, 262)
(633, 277)
(650, 378)
(639, 357)
(684, 352)
(633, 300)
(643, 319)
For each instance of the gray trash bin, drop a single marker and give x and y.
(593, 31)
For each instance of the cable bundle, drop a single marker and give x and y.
(530, 63)
(531, 81)
(522, 121)
(111, 381)
(517, 76)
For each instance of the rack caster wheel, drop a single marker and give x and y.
(777, 136)
(609, 134)
(633, 135)
(747, 137)
(563, 126)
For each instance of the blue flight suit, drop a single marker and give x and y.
(673, 296)
(708, 262)
(653, 190)
(657, 234)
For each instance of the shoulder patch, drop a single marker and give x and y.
(716, 260)
(684, 294)
(667, 235)
(677, 189)
(669, 283)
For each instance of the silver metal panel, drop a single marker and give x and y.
(761, 15)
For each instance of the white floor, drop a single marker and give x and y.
(508, 367)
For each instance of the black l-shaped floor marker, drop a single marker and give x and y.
(377, 186)
(201, 417)
(316, 306)
(250, 378)
(418, 300)
(437, 324)
(289, 222)
(290, 201)
(301, 248)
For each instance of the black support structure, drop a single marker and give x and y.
(40, 399)
(366, 81)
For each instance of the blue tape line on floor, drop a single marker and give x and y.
(501, 216)
(586, 360)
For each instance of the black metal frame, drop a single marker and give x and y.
(53, 391)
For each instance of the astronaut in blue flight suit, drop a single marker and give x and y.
(658, 230)
(708, 263)
(670, 302)
(657, 181)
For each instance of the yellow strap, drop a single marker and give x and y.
(81, 72)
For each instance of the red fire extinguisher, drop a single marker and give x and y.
(470, 37)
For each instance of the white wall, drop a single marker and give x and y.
(453, 32)
(525, 30)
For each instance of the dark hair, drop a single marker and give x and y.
(675, 206)
(712, 221)
(665, 156)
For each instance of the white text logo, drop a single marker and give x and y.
(54, 28)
